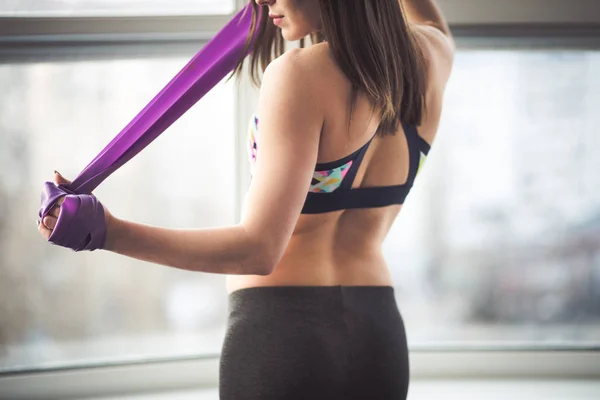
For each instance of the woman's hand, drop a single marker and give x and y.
(46, 226)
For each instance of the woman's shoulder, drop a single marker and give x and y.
(294, 81)
(285, 72)
(299, 66)
(302, 60)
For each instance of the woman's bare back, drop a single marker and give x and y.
(344, 247)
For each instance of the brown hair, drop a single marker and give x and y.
(372, 45)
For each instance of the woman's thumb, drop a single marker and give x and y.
(59, 179)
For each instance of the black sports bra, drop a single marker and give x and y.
(331, 186)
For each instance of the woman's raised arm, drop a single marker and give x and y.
(425, 12)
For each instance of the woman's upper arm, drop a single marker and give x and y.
(291, 119)
(438, 49)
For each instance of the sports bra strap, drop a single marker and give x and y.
(416, 144)
(351, 175)
(347, 197)
(412, 137)
(368, 197)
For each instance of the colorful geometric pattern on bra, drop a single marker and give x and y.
(329, 180)
(422, 158)
(325, 181)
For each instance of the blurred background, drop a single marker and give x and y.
(497, 246)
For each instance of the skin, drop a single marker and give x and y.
(302, 111)
(300, 17)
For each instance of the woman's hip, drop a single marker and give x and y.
(315, 341)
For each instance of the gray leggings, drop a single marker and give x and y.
(314, 342)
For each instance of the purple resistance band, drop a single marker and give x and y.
(81, 223)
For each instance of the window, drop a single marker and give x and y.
(113, 7)
(496, 245)
(498, 242)
(63, 308)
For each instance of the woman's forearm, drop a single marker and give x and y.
(227, 250)
(425, 12)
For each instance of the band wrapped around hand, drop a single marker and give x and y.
(81, 224)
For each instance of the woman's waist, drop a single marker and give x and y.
(312, 269)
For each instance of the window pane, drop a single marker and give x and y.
(497, 243)
(114, 7)
(58, 307)
(500, 239)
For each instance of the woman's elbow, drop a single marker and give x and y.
(263, 254)
(267, 264)
(261, 262)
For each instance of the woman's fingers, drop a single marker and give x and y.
(55, 212)
(44, 231)
(58, 180)
(49, 222)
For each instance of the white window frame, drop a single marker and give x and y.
(202, 372)
(509, 23)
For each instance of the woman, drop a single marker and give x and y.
(335, 149)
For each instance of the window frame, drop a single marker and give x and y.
(476, 24)
(163, 375)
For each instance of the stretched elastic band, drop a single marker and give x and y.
(81, 224)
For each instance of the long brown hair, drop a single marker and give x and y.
(372, 45)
